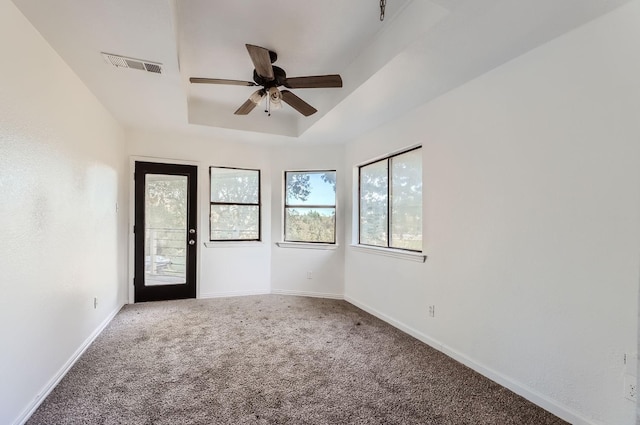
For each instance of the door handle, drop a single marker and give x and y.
(191, 242)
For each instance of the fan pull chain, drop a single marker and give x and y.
(383, 5)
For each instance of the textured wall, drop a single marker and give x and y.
(531, 222)
(61, 174)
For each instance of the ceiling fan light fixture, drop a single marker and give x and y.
(275, 98)
(274, 93)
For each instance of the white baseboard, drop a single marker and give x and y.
(46, 390)
(308, 294)
(233, 294)
(558, 409)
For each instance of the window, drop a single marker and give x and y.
(390, 200)
(310, 206)
(234, 213)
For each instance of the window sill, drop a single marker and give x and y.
(390, 252)
(234, 244)
(307, 245)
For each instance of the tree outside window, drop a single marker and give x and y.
(235, 204)
(390, 213)
(310, 206)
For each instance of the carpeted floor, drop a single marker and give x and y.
(271, 360)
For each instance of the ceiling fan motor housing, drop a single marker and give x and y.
(279, 78)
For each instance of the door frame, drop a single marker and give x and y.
(132, 218)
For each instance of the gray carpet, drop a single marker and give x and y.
(271, 360)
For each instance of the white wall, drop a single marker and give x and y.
(290, 266)
(62, 168)
(531, 208)
(225, 268)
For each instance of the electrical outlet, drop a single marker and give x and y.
(95, 302)
(310, 275)
(630, 388)
(432, 311)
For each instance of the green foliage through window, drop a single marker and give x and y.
(310, 206)
(390, 213)
(235, 204)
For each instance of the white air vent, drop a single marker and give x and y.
(123, 62)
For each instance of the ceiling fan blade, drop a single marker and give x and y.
(298, 104)
(221, 81)
(261, 61)
(312, 82)
(251, 103)
(245, 108)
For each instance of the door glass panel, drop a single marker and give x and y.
(165, 248)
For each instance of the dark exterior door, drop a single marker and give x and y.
(165, 231)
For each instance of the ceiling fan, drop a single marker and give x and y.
(271, 77)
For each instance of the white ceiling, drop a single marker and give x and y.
(421, 50)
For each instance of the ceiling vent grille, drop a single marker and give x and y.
(123, 62)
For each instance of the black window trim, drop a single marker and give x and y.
(387, 158)
(259, 205)
(334, 206)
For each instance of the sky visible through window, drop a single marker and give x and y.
(309, 213)
(321, 193)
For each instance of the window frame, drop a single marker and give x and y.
(386, 158)
(284, 211)
(258, 204)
